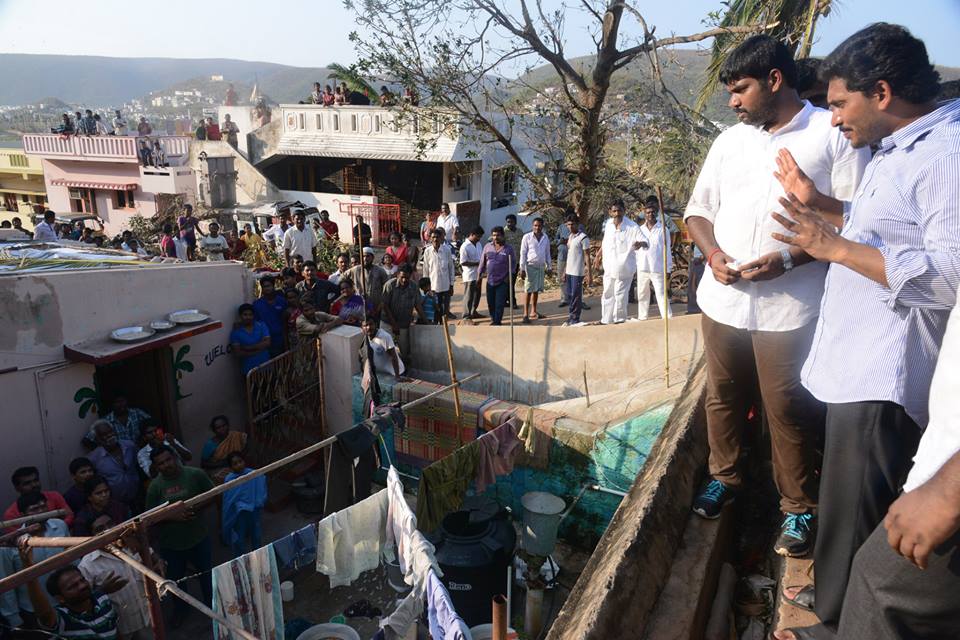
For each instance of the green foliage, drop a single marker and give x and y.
(670, 153)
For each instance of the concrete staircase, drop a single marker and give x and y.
(251, 184)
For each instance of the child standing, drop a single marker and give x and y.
(428, 302)
(388, 265)
(242, 506)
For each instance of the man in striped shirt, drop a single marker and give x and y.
(80, 613)
(894, 269)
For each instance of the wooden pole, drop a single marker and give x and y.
(149, 586)
(586, 390)
(510, 275)
(666, 291)
(37, 517)
(80, 547)
(453, 380)
(166, 585)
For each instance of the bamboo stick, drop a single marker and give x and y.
(512, 302)
(165, 585)
(453, 380)
(37, 517)
(149, 586)
(666, 291)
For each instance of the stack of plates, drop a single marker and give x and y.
(188, 316)
(131, 334)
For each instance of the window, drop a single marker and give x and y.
(82, 201)
(124, 200)
(336, 122)
(353, 122)
(504, 187)
(319, 122)
(302, 121)
(376, 124)
(19, 160)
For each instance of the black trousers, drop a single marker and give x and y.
(868, 452)
(889, 598)
(471, 297)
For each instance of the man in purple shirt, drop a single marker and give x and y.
(116, 461)
(497, 262)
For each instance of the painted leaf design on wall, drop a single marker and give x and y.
(88, 399)
(180, 366)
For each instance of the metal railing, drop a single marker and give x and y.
(383, 219)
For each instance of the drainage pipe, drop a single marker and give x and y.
(499, 617)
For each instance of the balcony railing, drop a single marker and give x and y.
(101, 148)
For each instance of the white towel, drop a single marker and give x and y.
(350, 541)
(416, 553)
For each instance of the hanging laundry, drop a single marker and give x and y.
(250, 496)
(369, 383)
(396, 625)
(444, 622)
(350, 541)
(388, 416)
(353, 463)
(297, 549)
(415, 553)
(246, 591)
(537, 437)
(498, 451)
(444, 484)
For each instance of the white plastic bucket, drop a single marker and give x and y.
(329, 630)
(286, 591)
(541, 519)
(485, 632)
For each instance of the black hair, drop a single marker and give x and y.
(537, 219)
(246, 306)
(155, 452)
(756, 57)
(423, 283)
(808, 70)
(348, 281)
(214, 419)
(53, 582)
(23, 472)
(405, 268)
(651, 201)
(79, 463)
(887, 52)
(344, 255)
(95, 482)
(511, 216)
(289, 272)
(571, 217)
(29, 499)
(236, 454)
(617, 202)
(168, 228)
(49, 214)
(477, 230)
(309, 263)
(497, 229)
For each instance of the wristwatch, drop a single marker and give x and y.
(787, 259)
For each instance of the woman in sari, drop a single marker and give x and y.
(216, 452)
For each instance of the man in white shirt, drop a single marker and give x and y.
(438, 266)
(133, 614)
(577, 245)
(119, 124)
(343, 264)
(298, 240)
(470, 272)
(534, 264)
(386, 358)
(44, 231)
(617, 256)
(214, 245)
(759, 296)
(649, 257)
(274, 235)
(449, 223)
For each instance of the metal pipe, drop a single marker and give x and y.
(533, 612)
(166, 585)
(499, 617)
(614, 492)
(37, 517)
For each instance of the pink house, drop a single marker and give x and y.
(103, 175)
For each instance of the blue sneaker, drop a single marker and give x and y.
(796, 534)
(712, 497)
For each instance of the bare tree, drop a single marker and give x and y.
(455, 52)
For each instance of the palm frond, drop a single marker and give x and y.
(794, 20)
(352, 77)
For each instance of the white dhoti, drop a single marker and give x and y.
(644, 280)
(613, 302)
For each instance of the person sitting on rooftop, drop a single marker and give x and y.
(119, 124)
(144, 128)
(100, 129)
(143, 151)
(157, 156)
(327, 98)
(87, 125)
(316, 96)
(387, 99)
(340, 95)
(65, 127)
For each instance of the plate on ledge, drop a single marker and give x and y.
(162, 325)
(188, 316)
(131, 334)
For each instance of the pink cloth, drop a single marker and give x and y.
(498, 450)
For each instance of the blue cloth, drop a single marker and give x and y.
(429, 305)
(248, 497)
(123, 477)
(907, 206)
(297, 549)
(271, 314)
(444, 622)
(249, 338)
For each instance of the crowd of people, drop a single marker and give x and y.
(342, 95)
(88, 123)
(132, 465)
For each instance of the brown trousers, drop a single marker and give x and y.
(737, 361)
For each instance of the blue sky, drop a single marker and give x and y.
(314, 33)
